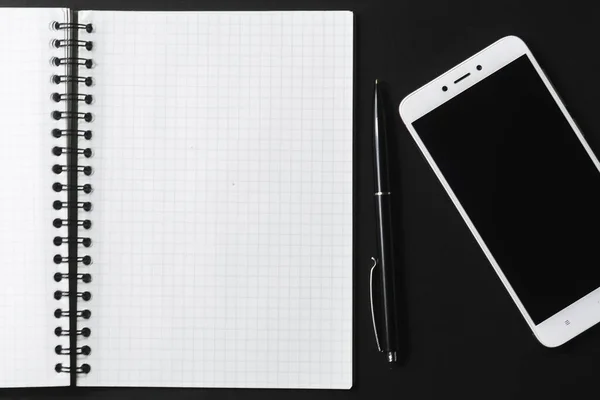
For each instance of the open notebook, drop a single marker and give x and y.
(177, 207)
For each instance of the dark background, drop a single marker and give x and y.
(463, 336)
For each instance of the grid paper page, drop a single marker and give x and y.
(27, 322)
(222, 200)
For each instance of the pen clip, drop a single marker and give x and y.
(372, 305)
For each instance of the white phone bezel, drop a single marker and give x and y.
(585, 312)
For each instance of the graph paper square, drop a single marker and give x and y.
(222, 199)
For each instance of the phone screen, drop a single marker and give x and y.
(525, 181)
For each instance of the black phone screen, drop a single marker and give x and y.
(526, 182)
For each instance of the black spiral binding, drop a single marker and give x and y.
(85, 278)
(85, 350)
(57, 169)
(85, 332)
(85, 223)
(71, 98)
(59, 294)
(59, 187)
(57, 151)
(84, 369)
(59, 205)
(58, 79)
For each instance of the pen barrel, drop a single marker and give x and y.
(380, 146)
(385, 241)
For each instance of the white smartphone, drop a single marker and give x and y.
(523, 178)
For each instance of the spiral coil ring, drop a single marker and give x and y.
(58, 61)
(84, 369)
(57, 151)
(71, 98)
(85, 260)
(89, 28)
(59, 294)
(85, 332)
(58, 133)
(58, 115)
(69, 42)
(59, 187)
(85, 278)
(58, 79)
(85, 350)
(85, 223)
(58, 168)
(59, 205)
(60, 313)
(58, 97)
(85, 241)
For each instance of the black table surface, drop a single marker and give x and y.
(463, 337)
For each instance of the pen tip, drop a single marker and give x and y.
(376, 81)
(391, 356)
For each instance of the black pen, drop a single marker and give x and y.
(385, 239)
